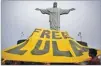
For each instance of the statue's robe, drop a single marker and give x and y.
(54, 16)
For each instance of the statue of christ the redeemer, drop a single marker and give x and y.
(54, 15)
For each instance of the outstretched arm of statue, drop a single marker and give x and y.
(66, 11)
(37, 9)
(72, 9)
(43, 11)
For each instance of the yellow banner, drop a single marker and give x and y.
(48, 46)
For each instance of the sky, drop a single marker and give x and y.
(21, 16)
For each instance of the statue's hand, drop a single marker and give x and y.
(72, 9)
(37, 9)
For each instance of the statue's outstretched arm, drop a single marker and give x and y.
(43, 11)
(66, 11)
(72, 9)
(37, 9)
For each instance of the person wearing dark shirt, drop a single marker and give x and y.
(94, 59)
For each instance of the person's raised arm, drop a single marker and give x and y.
(43, 11)
(66, 11)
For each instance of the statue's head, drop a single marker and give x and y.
(55, 5)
